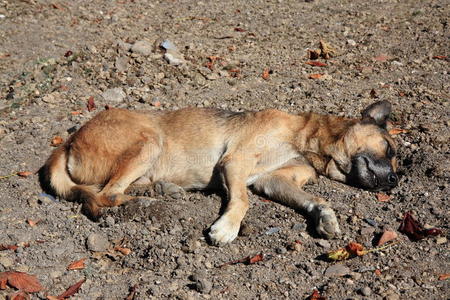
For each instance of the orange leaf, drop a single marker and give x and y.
(132, 292)
(255, 259)
(382, 58)
(77, 265)
(8, 247)
(22, 281)
(315, 76)
(316, 63)
(395, 131)
(383, 197)
(444, 276)
(75, 113)
(265, 74)
(91, 104)
(32, 223)
(56, 141)
(124, 251)
(72, 290)
(316, 296)
(387, 236)
(24, 173)
(377, 272)
(356, 249)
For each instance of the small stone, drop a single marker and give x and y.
(97, 242)
(366, 291)
(121, 64)
(272, 230)
(6, 262)
(52, 98)
(281, 250)
(299, 226)
(174, 57)
(116, 95)
(441, 240)
(337, 270)
(371, 222)
(142, 47)
(201, 283)
(110, 221)
(391, 296)
(324, 244)
(355, 275)
(351, 42)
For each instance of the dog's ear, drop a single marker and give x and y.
(377, 112)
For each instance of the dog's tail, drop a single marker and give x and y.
(55, 180)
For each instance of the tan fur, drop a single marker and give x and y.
(274, 151)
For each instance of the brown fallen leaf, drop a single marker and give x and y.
(249, 260)
(353, 250)
(19, 280)
(90, 104)
(414, 230)
(315, 76)
(56, 141)
(124, 251)
(20, 295)
(441, 57)
(4, 55)
(238, 29)
(383, 197)
(316, 296)
(32, 223)
(444, 276)
(77, 265)
(72, 290)
(265, 75)
(8, 247)
(24, 174)
(133, 290)
(314, 53)
(373, 94)
(395, 131)
(68, 53)
(316, 63)
(327, 51)
(382, 58)
(387, 236)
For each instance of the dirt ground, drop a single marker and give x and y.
(55, 55)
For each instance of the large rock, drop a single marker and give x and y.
(97, 242)
(142, 47)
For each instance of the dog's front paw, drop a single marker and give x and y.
(223, 231)
(327, 224)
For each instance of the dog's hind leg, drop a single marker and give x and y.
(131, 165)
(284, 186)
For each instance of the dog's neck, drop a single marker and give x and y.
(320, 137)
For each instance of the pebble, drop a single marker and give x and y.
(371, 222)
(365, 291)
(121, 64)
(142, 47)
(110, 221)
(116, 95)
(174, 57)
(324, 244)
(52, 98)
(337, 270)
(391, 296)
(272, 230)
(6, 262)
(299, 226)
(351, 43)
(97, 242)
(201, 283)
(441, 240)
(281, 250)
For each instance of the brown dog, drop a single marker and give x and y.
(193, 148)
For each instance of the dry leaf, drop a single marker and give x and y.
(373, 94)
(316, 296)
(383, 197)
(75, 113)
(124, 251)
(8, 247)
(377, 272)
(387, 236)
(444, 276)
(132, 292)
(72, 290)
(68, 53)
(351, 250)
(32, 223)
(238, 29)
(265, 74)
(20, 295)
(255, 259)
(414, 230)
(315, 76)
(395, 131)
(382, 58)
(77, 265)
(441, 57)
(91, 104)
(24, 173)
(316, 63)
(22, 281)
(327, 51)
(249, 260)
(56, 141)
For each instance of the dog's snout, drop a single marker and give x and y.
(392, 179)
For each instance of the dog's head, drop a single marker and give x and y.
(366, 155)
